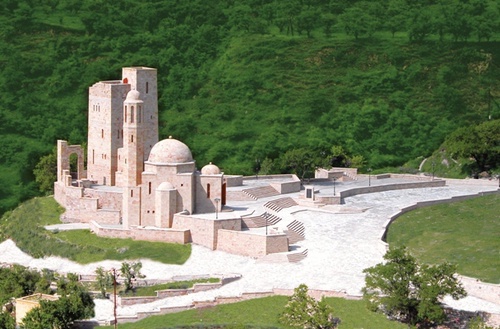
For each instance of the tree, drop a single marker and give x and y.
(7, 321)
(131, 271)
(104, 280)
(17, 281)
(300, 161)
(46, 172)
(408, 291)
(303, 311)
(74, 303)
(481, 143)
(420, 24)
(357, 21)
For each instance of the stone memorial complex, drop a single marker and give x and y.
(136, 186)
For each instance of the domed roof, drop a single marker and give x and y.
(133, 95)
(165, 186)
(170, 151)
(210, 169)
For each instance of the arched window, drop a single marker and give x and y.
(131, 138)
(149, 187)
(208, 191)
(131, 114)
(125, 114)
(147, 87)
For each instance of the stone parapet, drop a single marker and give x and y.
(143, 234)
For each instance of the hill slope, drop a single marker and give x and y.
(236, 83)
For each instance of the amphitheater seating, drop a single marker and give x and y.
(279, 204)
(261, 192)
(295, 232)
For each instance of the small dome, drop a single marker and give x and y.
(170, 151)
(165, 186)
(133, 95)
(210, 169)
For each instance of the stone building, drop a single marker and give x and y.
(134, 185)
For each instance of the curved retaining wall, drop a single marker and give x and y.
(389, 187)
(430, 203)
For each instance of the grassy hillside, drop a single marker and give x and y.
(243, 81)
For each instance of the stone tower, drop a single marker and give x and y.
(105, 129)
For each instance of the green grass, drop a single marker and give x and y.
(25, 225)
(464, 233)
(263, 313)
(151, 290)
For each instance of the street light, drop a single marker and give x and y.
(113, 270)
(217, 200)
(369, 176)
(334, 179)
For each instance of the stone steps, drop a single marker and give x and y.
(295, 232)
(297, 257)
(280, 204)
(261, 192)
(260, 220)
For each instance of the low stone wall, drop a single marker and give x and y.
(143, 234)
(252, 245)
(328, 199)
(233, 180)
(205, 231)
(160, 294)
(287, 187)
(390, 187)
(430, 203)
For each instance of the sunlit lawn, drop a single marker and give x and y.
(263, 313)
(25, 225)
(465, 233)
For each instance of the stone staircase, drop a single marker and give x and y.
(260, 220)
(297, 257)
(280, 204)
(261, 192)
(295, 232)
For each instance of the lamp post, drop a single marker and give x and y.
(266, 225)
(114, 296)
(433, 168)
(217, 200)
(369, 176)
(334, 179)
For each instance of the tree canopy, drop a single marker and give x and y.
(409, 291)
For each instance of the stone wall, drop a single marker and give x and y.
(252, 245)
(205, 231)
(288, 187)
(390, 187)
(427, 204)
(233, 180)
(143, 234)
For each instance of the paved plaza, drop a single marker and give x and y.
(341, 240)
